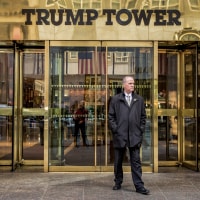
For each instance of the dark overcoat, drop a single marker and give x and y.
(127, 123)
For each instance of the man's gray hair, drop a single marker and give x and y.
(125, 78)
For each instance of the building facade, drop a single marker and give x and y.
(56, 55)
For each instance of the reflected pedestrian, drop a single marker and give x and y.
(80, 124)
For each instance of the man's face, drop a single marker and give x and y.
(129, 85)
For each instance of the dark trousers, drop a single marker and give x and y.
(136, 168)
(80, 127)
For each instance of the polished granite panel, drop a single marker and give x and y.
(176, 185)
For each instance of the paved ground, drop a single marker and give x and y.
(177, 185)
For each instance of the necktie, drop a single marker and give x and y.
(128, 98)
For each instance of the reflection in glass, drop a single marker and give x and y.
(160, 4)
(5, 137)
(33, 138)
(33, 97)
(6, 79)
(33, 80)
(190, 138)
(167, 138)
(198, 106)
(167, 80)
(6, 101)
(74, 84)
(78, 75)
(138, 63)
(190, 83)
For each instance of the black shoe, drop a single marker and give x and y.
(116, 187)
(143, 191)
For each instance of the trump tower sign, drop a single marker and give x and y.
(107, 24)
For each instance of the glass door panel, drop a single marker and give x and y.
(6, 106)
(76, 81)
(198, 109)
(168, 137)
(33, 138)
(136, 61)
(77, 87)
(189, 116)
(32, 101)
(190, 140)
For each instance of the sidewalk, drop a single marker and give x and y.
(180, 185)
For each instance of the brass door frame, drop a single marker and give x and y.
(20, 110)
(96, 44)
(188, 112)
(172, 112)
(116, 44)
(181, 111)
(9, 111)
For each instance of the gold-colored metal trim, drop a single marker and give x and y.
(33, 162)
(191, 113)
(74, 43)
(6, 162)
(168, 163)
(34, 112)
(155, 108)
(46, 107)
(188, 113)
(17, 115)
(6, 111)
(167, 112)
(94, 169)
(127, 44)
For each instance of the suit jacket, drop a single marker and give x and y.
(127, 123)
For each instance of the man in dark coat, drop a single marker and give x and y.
(127, 118)
(80, 124)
